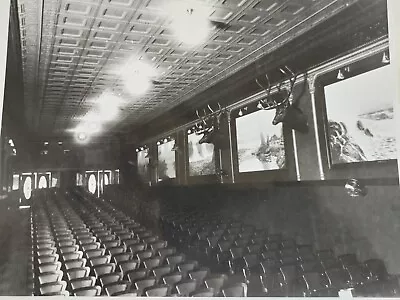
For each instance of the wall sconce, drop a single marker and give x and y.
(385, 58)
(341, 73)
(354, 188)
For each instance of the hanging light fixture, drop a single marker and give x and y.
(385, 58)
(240, 113)
(259, 105)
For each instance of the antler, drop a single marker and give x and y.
(270, 103)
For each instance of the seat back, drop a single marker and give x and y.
(83, 283)
(236, 290)
(205, 292)
(75, 263)
(186, 287)
(142, 284)
(117, 287)
(90, 291)
(104, 269)
(138, 274)
(172, 278)
(100, 260)
(53, 288)
(78, 273)
(110, 278)
(157, 291)
(200, 274)
(216, 282)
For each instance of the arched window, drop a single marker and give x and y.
(42, 182)
(28, 188)
(92, 183)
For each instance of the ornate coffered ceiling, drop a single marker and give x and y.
(72, 51)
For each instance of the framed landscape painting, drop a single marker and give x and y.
(166, 161)
(143, 163)
(360, 118)
(201, 156)
(260, 144)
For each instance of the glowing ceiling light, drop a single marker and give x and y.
(46, 143)
(137, 76)
(81, 137)
(137, 85)
(191, 26)
(60, 143)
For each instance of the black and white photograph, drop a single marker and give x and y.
(361, 119)
(200, 148)
(166, 167)
(201, 156)
(260, 144)
(143, 160)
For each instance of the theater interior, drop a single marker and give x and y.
(199, 148)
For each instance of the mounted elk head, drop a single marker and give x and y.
(210, 126)
(286, 113)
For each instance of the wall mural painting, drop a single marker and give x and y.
(143, 164)
(260, 144)
(361, 118)
(166, 161)
(201, 156)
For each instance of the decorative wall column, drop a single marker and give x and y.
(394, 46)
(311, 86)
(224, 155)
(4, 23)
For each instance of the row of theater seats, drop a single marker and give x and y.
(83, 246)
(270, 264)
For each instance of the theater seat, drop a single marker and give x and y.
(204, 292)
(216, 282)
(160, 271)
(116, 287)
(82, 282)
(172, 278)
(236, 290)
(88, 291)
(142, 284)
(75, 263)
(138, 274)
(53, 287)
(186, 287)
(157, 291)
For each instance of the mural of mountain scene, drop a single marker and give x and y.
(361, 121)
(260, 144)
(201, 156)
(166, 161)
(143, 163)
